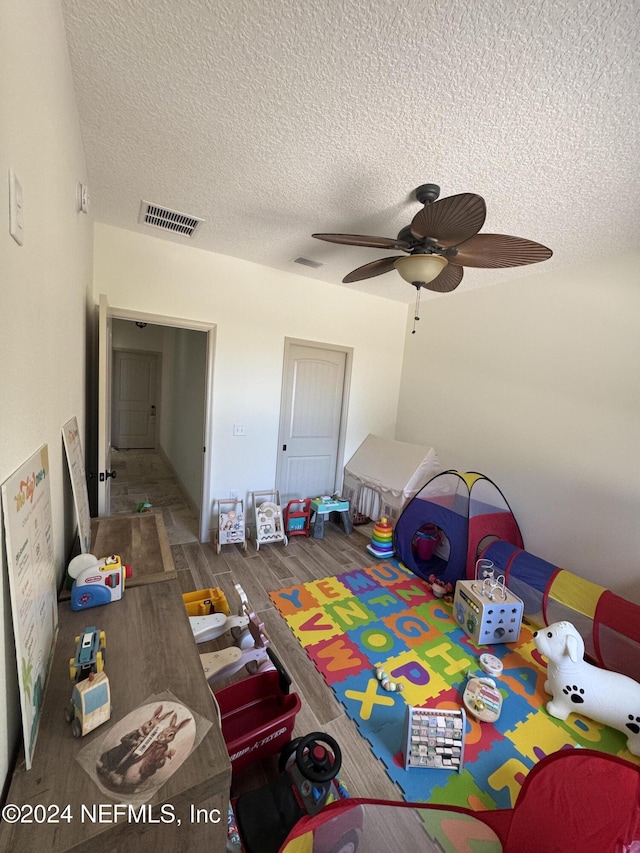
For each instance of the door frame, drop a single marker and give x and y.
(207, 430)
(103, 424)
(342, 429)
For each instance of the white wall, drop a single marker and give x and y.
(254, 310)
(183, 407)
(536, 383)
(43, 285)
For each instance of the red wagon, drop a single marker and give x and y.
(258, 715)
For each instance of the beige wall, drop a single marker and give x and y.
(536, 383)
(254, 309)
(43, 285)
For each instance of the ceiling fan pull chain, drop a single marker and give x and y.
(416, 315)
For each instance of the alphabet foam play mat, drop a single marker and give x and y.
(385, 617)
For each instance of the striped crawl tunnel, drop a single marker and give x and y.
(609, 624)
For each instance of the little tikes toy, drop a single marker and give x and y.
(100, 582)
(90, 704)
(309, 768)
(575, 685)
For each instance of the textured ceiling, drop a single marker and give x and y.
(273, 119)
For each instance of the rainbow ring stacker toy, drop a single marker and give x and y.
(381, 545)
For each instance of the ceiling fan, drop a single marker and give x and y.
(442, 239)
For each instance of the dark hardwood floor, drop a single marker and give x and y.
(143, 475)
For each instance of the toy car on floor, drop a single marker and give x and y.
(308, 782)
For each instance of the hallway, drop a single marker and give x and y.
(143, 475)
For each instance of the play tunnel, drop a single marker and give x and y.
(456, 518)
(609, 624)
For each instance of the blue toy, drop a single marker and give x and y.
(90, 704)
(96, 581)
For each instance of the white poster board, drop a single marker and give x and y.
(75, 460)
(26, 502)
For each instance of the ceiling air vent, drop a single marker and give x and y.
(307, 262)
(168, 220)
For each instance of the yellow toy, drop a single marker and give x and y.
(90, 704)
(203, 602)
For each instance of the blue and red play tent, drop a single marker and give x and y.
(468, 510)
(466, 517)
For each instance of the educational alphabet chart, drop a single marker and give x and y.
(26, 502)
(73, 448)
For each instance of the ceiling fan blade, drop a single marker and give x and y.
(499, 250)
(370, 270)
(451, 220)
(448, 280)
(363, 240)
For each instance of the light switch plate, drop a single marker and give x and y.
(16, 209)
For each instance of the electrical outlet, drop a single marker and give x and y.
(238, 429)
(233, 494)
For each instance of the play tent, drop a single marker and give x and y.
(466, 517)
(468, 512)
(382, 475)
(573, 799)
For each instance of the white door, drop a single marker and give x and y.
(310, 421)
(134, 399)
(104, 407)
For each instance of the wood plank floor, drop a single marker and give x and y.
(142, 475)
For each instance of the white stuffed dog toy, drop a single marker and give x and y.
(575, 685)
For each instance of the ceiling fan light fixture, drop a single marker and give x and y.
(420, 268)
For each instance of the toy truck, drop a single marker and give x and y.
(90, 704)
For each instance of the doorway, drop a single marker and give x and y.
(313, 417)
(183, 351)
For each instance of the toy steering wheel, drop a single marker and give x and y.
(315, 761)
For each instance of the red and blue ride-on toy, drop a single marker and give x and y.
(309, 781)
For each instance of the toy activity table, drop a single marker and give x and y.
(322, 508)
